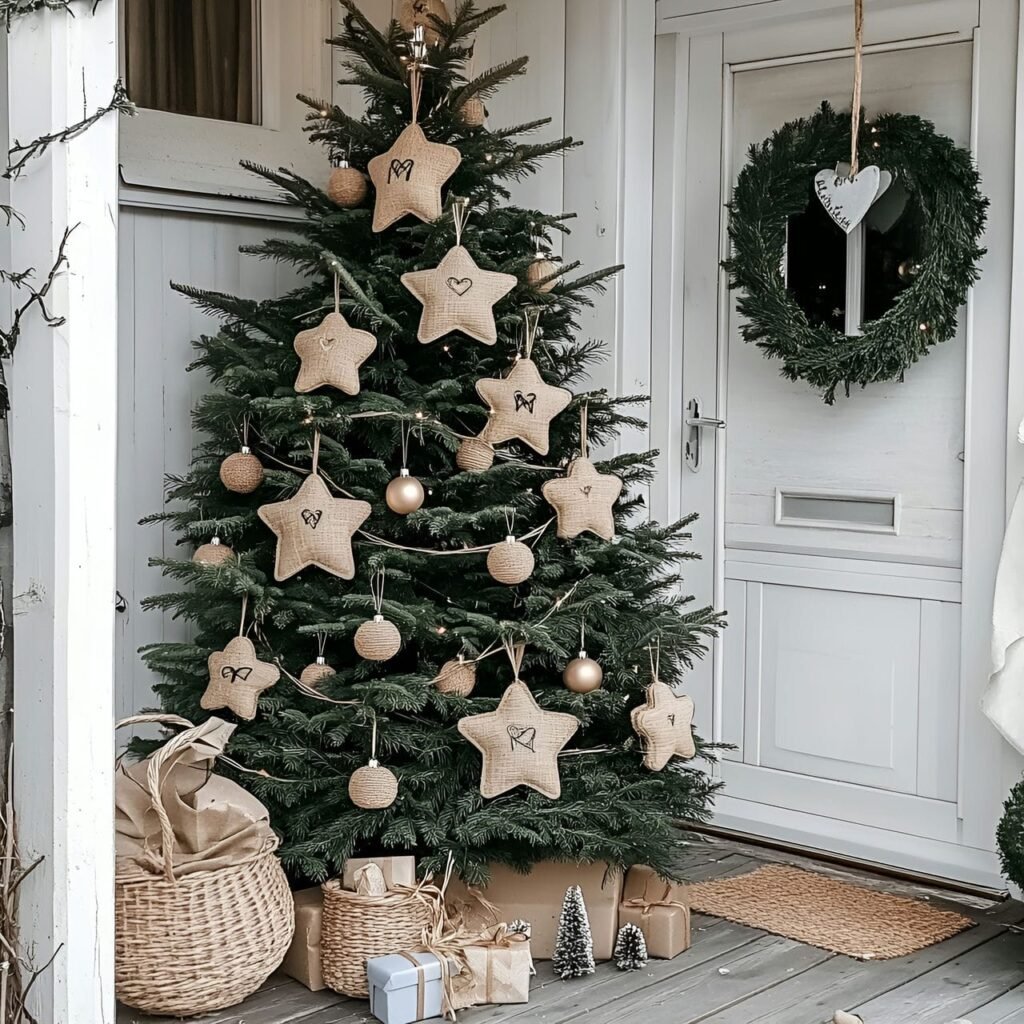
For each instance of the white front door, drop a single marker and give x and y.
(833, 536)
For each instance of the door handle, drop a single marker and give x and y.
(696, 423)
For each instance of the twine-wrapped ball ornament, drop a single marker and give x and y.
(213, 553)
(378, 639)
(346, 185)
(241, 472)
(474, 455)
(473, 113)
(404, 493)
(582, 674)
(538, 270)
(315, 672)
(373, 787)
(457, 677)
(510, 562)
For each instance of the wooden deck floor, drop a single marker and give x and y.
(738, 975)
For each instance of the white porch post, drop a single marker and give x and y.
(64, 393)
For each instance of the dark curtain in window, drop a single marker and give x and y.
(191, 57)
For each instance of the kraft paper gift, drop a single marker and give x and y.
(406, 987)
(659, 909)
(537, 897)
(396, 870)
(302, 962)
(498, 967)
(216, 823)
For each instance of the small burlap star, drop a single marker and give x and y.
(583, 500)
(458, 296)
(663, 723)
(520, 743)
(409, 176)
(237, 678)
(314, 528)
(331, 354)
(522, 406)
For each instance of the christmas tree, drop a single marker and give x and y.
(433, 621)
(573, 955)
(630, 953)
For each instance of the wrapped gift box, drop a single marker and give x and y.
(405, 987)
(302, 962)
(396, 870)
(537, 897)
(498, 970)
(659, 909)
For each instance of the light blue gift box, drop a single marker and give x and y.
(405, 987)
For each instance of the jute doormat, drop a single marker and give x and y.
(824, 912)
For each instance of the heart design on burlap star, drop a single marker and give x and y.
(237, 678)
(584, 500)
(522, 406)
(331, 354)
(664, 724)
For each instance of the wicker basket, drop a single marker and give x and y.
(202, 942)
(357, 928)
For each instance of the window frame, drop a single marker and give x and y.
(182, 153)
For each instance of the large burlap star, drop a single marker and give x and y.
(237, 678)
(583, 500)
(331, 354)
(522, 406)
(314, 528)
(409, 176)
(458, 296)
(663, 723)
(520, 743)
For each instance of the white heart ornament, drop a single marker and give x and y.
(847, 200)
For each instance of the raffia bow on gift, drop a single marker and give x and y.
(646, 905)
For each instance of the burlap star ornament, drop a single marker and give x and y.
(458, 296)
(409, 176)
(237, 678)
(314, 528)
(331, 354)
(583, 500)
(664, 723)
(522, 406)
(519, 742)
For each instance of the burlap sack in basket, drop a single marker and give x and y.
(203, 911)
(357, 928)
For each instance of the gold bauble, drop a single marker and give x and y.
(241, 472)
(404, 494)
(346, 186)
(414, 12)
(510, 562)
(474, 455)
(373, 787)
(472, 113)
(378, 639)
(315, 673)
(539, 269)
(582, 674)
(457, 677)
(213, 553)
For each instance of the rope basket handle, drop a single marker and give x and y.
(155, 762)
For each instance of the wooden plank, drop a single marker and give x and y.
(954, 990)
(1007, 1009)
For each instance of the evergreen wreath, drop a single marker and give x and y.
(941, 180)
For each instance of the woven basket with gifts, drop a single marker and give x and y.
(203, 912)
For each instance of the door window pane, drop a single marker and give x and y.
(816, 264)
(192, 57)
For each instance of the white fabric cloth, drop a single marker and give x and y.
(1004, 698)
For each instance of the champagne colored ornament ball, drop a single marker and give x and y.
(315, 673)
(582, 674)
(378, 639)
(373, 787)
(213, 553)
(241, 472)
(457, 677)
(539, 269)
(404, 494)
(474, 455)
(472, 113)
(510, 562)
(414, 12)
(346, 186)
